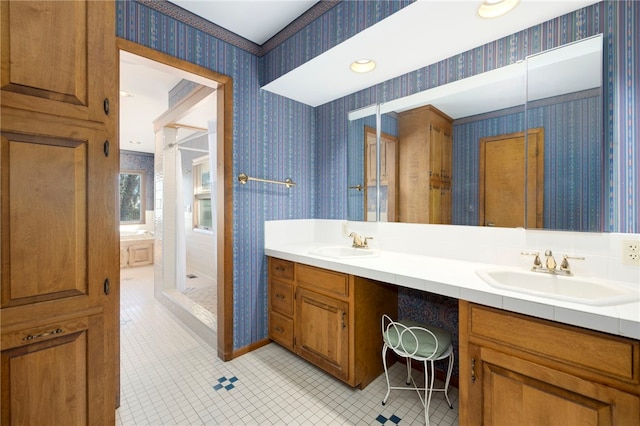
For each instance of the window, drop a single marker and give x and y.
(202, 194)
(131, 197)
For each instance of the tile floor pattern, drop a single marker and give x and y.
(206, 297)
(169, 376)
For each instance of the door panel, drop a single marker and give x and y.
(55, 56)
(47, 218)
(60, 366)
(502, 180)
(322, 334)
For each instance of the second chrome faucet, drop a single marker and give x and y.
(358, 241)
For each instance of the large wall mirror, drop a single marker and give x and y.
(519, 146)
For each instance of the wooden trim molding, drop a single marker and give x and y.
(225, 186)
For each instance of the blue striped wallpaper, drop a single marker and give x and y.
(275, 138)
(572, 159)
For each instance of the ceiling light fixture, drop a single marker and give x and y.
(363, 65)
(496, 8)
(126, 94)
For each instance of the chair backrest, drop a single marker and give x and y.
(408, 340)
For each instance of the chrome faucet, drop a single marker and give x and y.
(550, 265)
(358, 241)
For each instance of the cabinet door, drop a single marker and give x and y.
(57, 57)
(322, 332)
(140, 254)
(124, 256)
(440, 153)
(519, 392)
(59, 298)
(50, 374)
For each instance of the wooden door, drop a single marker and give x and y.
(388, 171)
(322, 332)
(59, 231)
(502, 180)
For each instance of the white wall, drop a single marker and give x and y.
(201, 256)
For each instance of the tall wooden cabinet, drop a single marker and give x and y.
(329, 318)
(59, 182)
(425, 148)
(518, 370)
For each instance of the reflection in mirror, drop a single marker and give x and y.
(362, 169)
(131, 197)
(564, 99)
(487, 112)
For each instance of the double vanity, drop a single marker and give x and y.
(567, 346)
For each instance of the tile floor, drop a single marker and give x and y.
(169, 376)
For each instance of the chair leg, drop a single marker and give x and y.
(446, 384)
(408, 371)
(428, 388)
(386, 373)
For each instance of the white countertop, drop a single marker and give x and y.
(458, 279)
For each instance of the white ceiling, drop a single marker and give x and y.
(416, 36)
(255, 20)
(420, 34)
(149, 84)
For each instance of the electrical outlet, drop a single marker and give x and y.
(345, 229)
(631, 253)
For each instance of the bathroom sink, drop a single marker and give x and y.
(340, 252)
(588, 291)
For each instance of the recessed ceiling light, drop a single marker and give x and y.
(496, 8)
(363, 65)
(126, 94)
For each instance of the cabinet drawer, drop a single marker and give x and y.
(279, 268)
(281, 297)
(323, 281)
(281, 329)
(574, 347)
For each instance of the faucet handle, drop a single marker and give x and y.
(366, 239)
(537, 264)
(564, 265)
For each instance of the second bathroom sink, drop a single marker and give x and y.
(588, 291)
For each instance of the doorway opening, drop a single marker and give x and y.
(184, 131)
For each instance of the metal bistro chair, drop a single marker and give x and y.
(422, 342)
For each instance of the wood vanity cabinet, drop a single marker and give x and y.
(281, 301)
(329, 318)
(519, 370)
(425, 151)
